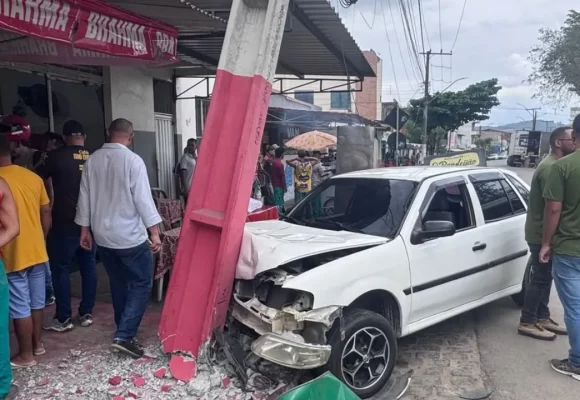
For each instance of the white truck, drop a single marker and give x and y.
(527, 148)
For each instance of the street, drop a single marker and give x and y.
(482, 350)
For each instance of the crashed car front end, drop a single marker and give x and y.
(292, 334)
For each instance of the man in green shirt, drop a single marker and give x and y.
(535, 320)
(561, 242)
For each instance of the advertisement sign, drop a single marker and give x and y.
(90, 25)
(468, 158)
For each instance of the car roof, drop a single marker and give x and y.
(416, 174)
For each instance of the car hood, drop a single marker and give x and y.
(269, 244)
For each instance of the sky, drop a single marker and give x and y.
(493, 42)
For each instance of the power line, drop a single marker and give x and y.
(421, 26)
(374, 15)
(399, 44)
(459, 26)
(390, 52)
(407, 25)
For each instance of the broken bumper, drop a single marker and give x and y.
(291, 354)
(289, 338)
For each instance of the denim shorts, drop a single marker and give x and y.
(27, 291)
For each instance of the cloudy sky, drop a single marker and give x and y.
(494, 41)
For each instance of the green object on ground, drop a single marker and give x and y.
(325, 387)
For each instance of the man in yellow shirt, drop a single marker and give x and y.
(25, 257)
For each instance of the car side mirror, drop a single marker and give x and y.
(434, 230)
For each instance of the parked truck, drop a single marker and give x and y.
(527, 148)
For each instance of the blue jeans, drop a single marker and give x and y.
(63, 249)
(566, 273)
(131, 278)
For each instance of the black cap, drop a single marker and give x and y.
(73, 128)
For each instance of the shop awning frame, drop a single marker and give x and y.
(315, 41)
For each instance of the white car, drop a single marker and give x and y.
(376, 255)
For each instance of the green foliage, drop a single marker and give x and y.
(450, 110)
(556, 62)
(483, 143)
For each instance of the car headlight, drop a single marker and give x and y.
(291, 354)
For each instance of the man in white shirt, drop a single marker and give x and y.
(116, 205)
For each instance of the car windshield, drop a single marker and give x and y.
(371, 206)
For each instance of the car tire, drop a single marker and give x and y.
(519, 298)
(363, 331)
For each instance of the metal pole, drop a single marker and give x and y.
(397, 136)
(426, 103)
(50, 105)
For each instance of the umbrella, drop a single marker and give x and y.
(312, 141)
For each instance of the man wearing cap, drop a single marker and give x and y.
(62, 173)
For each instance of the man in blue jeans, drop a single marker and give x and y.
(561, 241)
(62, 172)
(116, 204)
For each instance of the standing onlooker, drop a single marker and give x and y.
(116, 204)
(25, 257)
(9, 229)
(561, 241)
(279, 179)
(265, 176)
(318, 174)
(62, 173)
(18, 133)
(535, 320)
(187, 165)
(303, 167)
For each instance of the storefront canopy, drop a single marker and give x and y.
(82, 32)
(315, 42)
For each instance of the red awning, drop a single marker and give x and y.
(82, 32)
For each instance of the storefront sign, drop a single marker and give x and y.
(88, 25)
(470, 158)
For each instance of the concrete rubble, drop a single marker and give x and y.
(102, 375)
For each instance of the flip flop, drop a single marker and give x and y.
(22, 366)
(40, 351)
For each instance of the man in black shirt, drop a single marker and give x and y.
(63, 170)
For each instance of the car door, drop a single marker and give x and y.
(504, 216)
(444, 270)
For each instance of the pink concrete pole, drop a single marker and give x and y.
(203, 274)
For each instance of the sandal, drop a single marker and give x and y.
(40, 351)
(22, 366)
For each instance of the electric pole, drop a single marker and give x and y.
(428, 55)
(533, 112)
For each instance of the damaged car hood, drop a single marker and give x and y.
(269, 244)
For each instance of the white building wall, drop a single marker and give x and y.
(185, 105)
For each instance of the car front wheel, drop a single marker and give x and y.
(365, 359)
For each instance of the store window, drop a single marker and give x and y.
(340, 100)
(307, 97)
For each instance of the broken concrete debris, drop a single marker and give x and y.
(100, 374)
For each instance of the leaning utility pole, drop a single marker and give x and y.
(428, 55)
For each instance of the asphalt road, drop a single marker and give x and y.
(516, 366)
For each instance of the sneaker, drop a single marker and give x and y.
(563, 367)
(50, 300)
(550, 325)
(131, 348)
(86, 320)
(535, 331)
(58, 326)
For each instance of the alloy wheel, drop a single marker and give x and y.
(365, 357)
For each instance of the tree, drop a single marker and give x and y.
(450, 110)
(483, 143)
(556, 62)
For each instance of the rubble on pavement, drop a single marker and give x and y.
(103, 375)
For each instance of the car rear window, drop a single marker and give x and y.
(498, 200)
